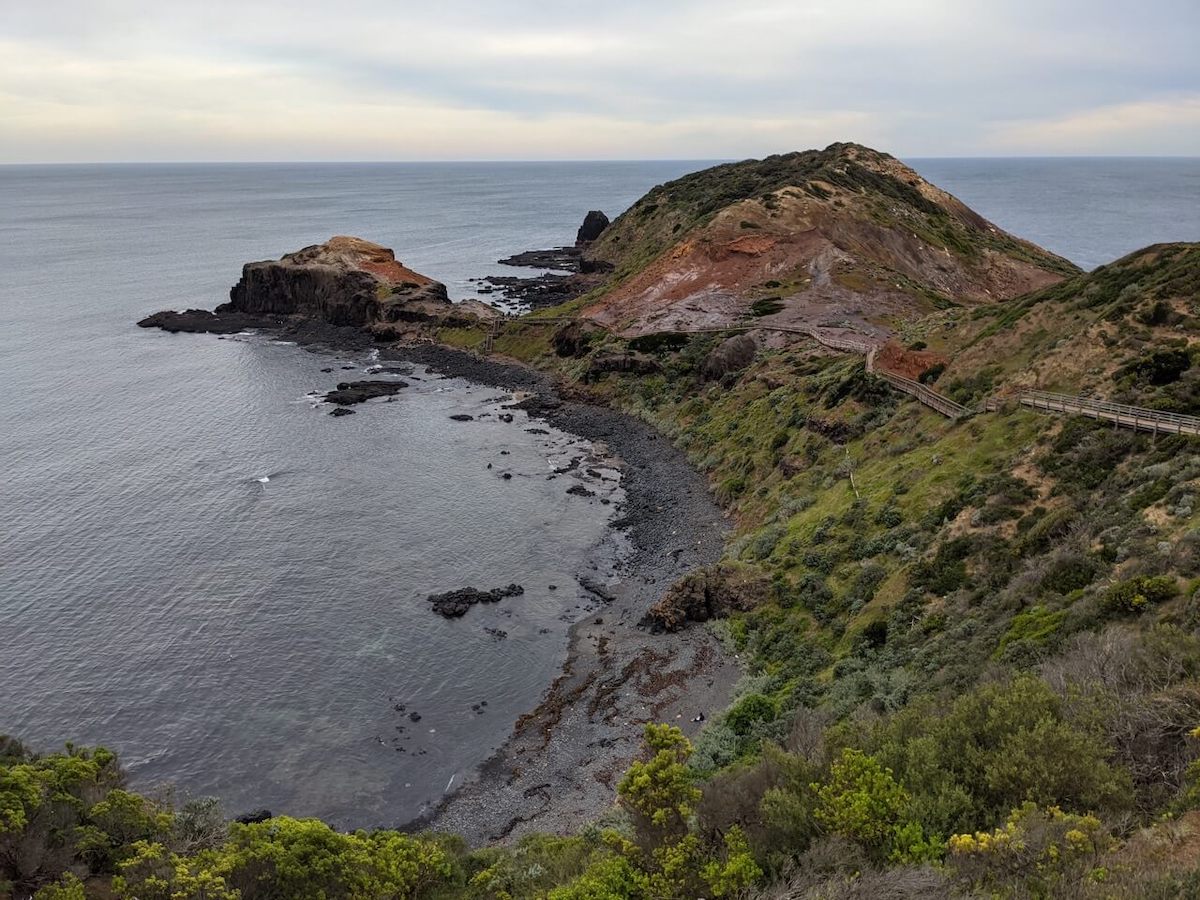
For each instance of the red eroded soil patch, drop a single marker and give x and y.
(891, 357)
(752, 244)
(704, 282)
(393, 271)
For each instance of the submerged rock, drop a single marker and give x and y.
(201, 321)
(453, 604)
(351, 392)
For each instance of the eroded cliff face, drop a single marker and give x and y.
(345, 281)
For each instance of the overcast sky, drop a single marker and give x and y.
(132, 80)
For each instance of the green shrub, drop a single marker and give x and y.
(749, 710)
(1035, 627)
(861, 800)
(1069, 572)
(1136, 595)
(1159, 368)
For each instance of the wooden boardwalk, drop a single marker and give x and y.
(1136, 417)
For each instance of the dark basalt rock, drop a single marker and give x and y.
(253, 818)
(706, 594)
(203, 321)
(574, 338)
(453, 604)
(345, 281)
(564, 258)
(593, 226)
(342, 411)
(549, 288)
(579, 490)
(631, 362)
(351, 392)
(596, 589)
(538, 291)
(462, 417)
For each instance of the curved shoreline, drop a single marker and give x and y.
(561, 764)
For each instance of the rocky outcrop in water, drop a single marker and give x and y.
(344, 282)
(454, 604)
(349, 393)
(552, 288)
(201, 321)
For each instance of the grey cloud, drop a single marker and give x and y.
(927, 77)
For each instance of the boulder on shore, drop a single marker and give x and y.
(732, 355)
(705, 594)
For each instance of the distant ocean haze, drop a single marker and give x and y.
(203, 570)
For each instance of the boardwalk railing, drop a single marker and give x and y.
(1136, 417)
(930, 398)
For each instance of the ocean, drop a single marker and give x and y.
(204, 571)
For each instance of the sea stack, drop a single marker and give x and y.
(346, 281)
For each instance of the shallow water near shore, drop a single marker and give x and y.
(203, 570)
(253, 623)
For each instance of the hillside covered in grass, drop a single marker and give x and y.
(1124, 332)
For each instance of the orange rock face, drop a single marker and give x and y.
(357, 253)
(891, 357)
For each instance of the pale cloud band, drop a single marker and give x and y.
(84, 80)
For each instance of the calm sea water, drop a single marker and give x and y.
(203, 570)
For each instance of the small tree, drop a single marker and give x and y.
(658, 792)
(861, 800)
